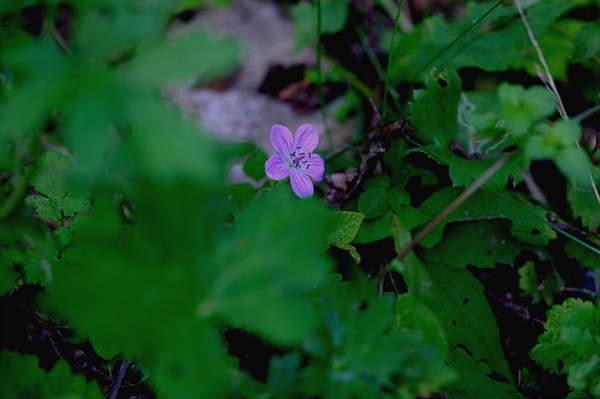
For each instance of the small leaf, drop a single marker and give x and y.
(373, 203)
(347, 226)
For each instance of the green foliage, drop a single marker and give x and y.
(545, 289)
(373, 203)
(525, 219)
(433, 111)
(57, 200)
(119, 209)
(362, 351)
(558, 141)
(570, 343)
(347, 226)
(334, 15)
(21, 378)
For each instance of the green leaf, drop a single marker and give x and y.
(397, 198)
(304, 18)
(22, 378)
(267, 268)
(546, 288)
(254, 166)
(479, 243)
(374, 229)
(527, 220)
(474, 379)
(433, 110)
(555, 353)
(583, 201)
(520, 107)
(373, 203)
(347, 226)
(48, 177)
(587, 42)
(360, 353)
(457, 299)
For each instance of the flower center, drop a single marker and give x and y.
(299, 160)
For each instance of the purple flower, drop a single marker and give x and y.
(295, 158)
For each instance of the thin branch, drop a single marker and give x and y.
(547, 75)
(453, 205)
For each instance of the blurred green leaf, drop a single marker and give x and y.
(254, 166)
(433, 110)
(334, 14)
(267, 268)
(22, 378)
(587, 43)
(200, 56)
(519, 107)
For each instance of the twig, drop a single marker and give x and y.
(453, 205)
(115, 388)
(547, 75)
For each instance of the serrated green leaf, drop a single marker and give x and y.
(552, 352)
(49, 178)
(357, 353)
(584, 202)
(373, 203)
(433, 111)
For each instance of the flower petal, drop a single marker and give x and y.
(301, 183)
(277, 167)
(314, 167)
(282, 139)
(306, 139)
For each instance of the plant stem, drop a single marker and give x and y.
(389, 64)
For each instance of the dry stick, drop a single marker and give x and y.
(115, 388)
(548, 76)
(453, 205)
